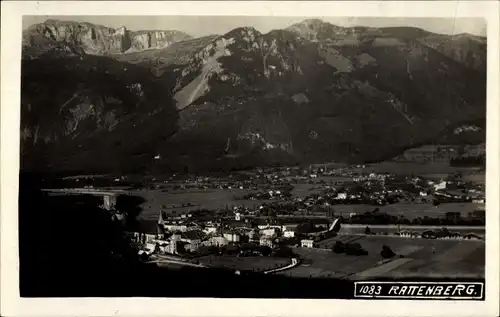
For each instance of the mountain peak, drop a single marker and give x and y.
(313, 22)
(245, 31)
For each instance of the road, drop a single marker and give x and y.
(294, 263)
(166, 260)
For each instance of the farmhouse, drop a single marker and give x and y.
(307, 243)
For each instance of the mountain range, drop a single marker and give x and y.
(101, 99)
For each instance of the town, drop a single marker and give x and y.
(277, 220)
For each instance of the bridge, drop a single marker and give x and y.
(108, 196)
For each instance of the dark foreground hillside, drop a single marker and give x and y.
(70, 249)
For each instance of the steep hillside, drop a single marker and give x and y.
(467, 49)
(91, 113)
(331, 94)
(96, 39)
(161, 60)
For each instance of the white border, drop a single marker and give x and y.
(12, 305)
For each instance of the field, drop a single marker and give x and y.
(409, 211)
(451, 259)
(257, 263)
(173, 200)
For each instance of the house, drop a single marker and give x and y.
(265, 241)
(253, 235)
(269, 232)
(210, 230)
(440, 186)
(216, 241)
(341, 196)
(307, 243)
(232, 236)
(409, 234)
(175, 227)
(109, 202)
(149, 248)
(289, 234)
(192, 239)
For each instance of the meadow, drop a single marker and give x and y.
(449, 259)
(409, 211)
(251, 263)
(175, 202)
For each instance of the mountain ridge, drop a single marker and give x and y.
(99, 39)
(320, 93)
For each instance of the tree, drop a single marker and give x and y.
(387, 252)
(368, 230)
(339, 247)
(284, 251)
(265, 250)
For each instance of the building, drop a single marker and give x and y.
(289, 234)
(341, 196)
(216, 241)
(409, 234)
(269, 232)
(232, 236)
(109, 202)
(265, 241)
(192, 239)
(210, 230)
(307, 243)
(175, 227)
(440, 186)
(171, 246)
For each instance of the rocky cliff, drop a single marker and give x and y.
(98, 39)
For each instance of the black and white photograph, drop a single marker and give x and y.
(263, 157)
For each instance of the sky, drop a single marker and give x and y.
(207, 25)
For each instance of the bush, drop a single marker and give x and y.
(387, 252)
(339, 247)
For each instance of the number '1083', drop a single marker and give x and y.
(370, 289)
